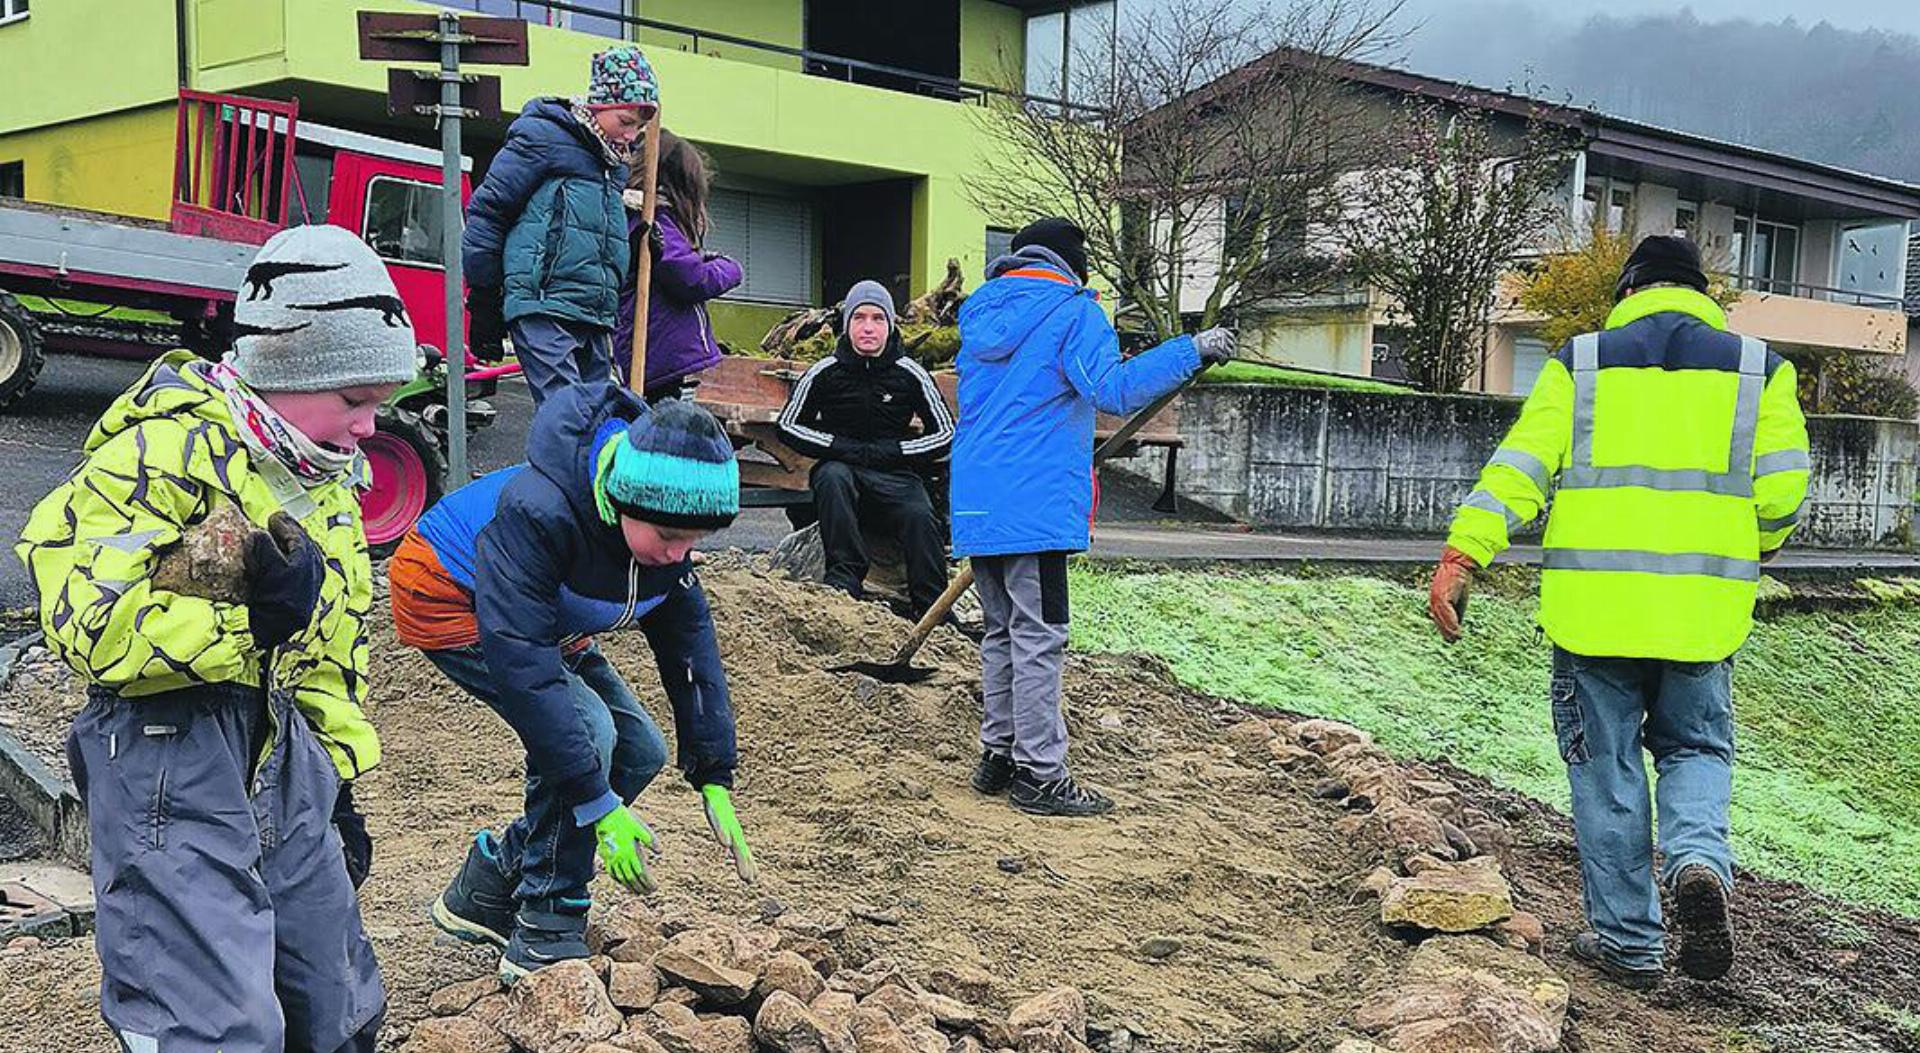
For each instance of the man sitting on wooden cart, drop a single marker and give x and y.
(854, 413)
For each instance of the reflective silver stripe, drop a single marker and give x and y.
(1534, 468)
(1746, 406)
(1782, 461)
(1484, 500)
(1627, 560)
(1586, 377)
(1679, 480)
(1768, 526)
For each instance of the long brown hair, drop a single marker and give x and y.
(682, 182)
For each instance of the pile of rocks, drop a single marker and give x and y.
(690, 985)
(1475, 983)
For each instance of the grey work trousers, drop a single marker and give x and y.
(1024, 601)
(226, 921)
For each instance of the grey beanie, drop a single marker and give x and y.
(318, 312)
(867, 293)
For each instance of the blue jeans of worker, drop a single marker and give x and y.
(555, 355)
(552, 856)
(1606, 711)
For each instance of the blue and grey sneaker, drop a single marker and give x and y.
(478, 906)
(545, 932)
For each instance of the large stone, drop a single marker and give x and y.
(818, 952)
(704, 960)
(1459, 897)
(1054, 1038)
(878, 973)
(562, 1008)
(1250, 737)
(902, 1005)
(1065, 1006)
(836, 1008)
(457, 998)
(640, 948)
(637, 1037)
(632, 986)
(785, 1024)
(1527, 931)
(1403, 831)
(952, 1013)
(1469, 994)
(875, 1032)
(1326, 736)
(789, 972)
(967, 983)
(456, 1034)
(1289, 756)
(627, 920)
(490, 1010)
(721, 1034)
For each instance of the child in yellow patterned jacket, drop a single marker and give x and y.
(221, 731)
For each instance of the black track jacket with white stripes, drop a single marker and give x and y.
(861, 410)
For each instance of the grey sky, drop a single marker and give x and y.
(1899, 15)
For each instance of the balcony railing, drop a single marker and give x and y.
(837, 67)
(1806, 291)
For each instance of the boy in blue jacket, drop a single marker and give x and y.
(545, 246)
(503, 583)
(1037, 358)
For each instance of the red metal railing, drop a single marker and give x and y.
(233, 176)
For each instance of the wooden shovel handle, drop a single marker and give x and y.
(643, 261)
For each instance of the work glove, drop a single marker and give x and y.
(726, 830)
(486, 324)
(1216, 346)
(622, 838)
(284, 571)
(1447, 601)
(354, 840)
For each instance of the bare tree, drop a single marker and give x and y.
(1437, 229)
(1198, 146)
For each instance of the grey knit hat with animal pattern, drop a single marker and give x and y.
(318, 312)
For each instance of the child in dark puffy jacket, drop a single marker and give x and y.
(545, 247)
(680, 341)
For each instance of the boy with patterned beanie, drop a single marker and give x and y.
(502, 585)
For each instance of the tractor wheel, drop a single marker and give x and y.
(407, 470)
(21, 351)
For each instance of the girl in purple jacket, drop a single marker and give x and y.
(680, 341)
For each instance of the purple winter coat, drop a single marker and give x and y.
(680, 339)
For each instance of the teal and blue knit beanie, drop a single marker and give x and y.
(673, 468)
(622, 76)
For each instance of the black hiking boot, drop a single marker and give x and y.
(1588, 948)
(478, 906)
(993, 774)
(545, 932)
(1058, 797)
(1700, 915)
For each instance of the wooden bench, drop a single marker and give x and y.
(747, 395)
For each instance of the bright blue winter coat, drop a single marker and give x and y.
(546, 225)
(1037, 357)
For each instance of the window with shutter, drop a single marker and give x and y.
(773, 240)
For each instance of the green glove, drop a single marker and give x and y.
(726, 829)
(621, 838)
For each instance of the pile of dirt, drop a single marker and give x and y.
(1221, 906)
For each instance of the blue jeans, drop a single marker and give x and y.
(1605, 711)
(552, 856)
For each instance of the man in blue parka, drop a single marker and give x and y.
(1037, 358)
(545, 247)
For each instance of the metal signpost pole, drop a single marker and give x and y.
(450, 223)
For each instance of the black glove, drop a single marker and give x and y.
(354, 841)
(1215, 346)
(284, 570)
(486, 324)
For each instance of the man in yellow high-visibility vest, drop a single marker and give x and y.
(1680, 457)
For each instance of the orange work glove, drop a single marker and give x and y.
(1447, 601)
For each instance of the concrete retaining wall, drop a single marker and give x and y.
(1335, 460)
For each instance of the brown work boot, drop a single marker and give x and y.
(1700, 916)
(1588, 948)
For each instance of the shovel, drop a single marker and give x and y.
(900, 668)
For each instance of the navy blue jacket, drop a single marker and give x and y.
(546, 225)
(545, 571)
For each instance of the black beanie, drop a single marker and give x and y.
(1662, 258)
(1062, 236)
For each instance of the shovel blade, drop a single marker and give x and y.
(886, 672)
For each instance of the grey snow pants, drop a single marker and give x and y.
(226, 920)
(1024, 601)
